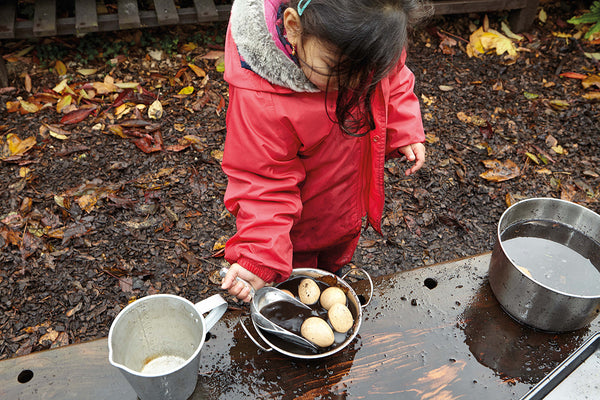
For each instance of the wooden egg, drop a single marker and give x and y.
(332, 295)
(308, 291)
(340, 318)
(317, 331)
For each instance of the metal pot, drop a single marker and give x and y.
(524, 297)
(354, 304)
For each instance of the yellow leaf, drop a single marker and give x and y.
(122, 110)
(217, 155)
(58, 135)
(559, 105)
(29, 107)
(562, 35)
(220, 243)
(104, 87)
(594, 96)
(501, 43)
(431, 138)
(197, 70)
(16, 146)
(87, 202)
(558, 149)
(532, 157)
(187, 47)
(544, 171)
(592, 80)
(63, 102)
(127, 85)
(24, 172)
(60, 68)
(506, 29)
(87, 71)
(543, 16)
(179, 127)
(155, 111)
(187, 90)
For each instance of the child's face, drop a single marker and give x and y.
(318, 62)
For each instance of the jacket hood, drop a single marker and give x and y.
(256, 48)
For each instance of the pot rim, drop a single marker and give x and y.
(512, 261)
(316, 273)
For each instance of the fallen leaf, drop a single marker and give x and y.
(87, 71)
(27, 82)
(77, 116)
(559, 105)
(542, 16)
(155, 111)
(29, 107)
(532, 157)
(16, 146)
(63, 102)
(593, 96)
(592, 80)
(186, 90)
(573, 75)
(499, 171)
(197, 70)
(506, 30)
(60, 68)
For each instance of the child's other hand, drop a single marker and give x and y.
(414, 152)
(237, 288)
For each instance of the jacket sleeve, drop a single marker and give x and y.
(264, 170)
(405, 125)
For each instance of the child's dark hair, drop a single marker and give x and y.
(370, 36)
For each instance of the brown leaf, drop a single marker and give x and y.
(500, 171)
(126, 284)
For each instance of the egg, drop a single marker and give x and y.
(317, 331)
(308, 291)
(340, 318)
(332, 295)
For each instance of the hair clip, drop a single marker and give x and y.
(302, 4)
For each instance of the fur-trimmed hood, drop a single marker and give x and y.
(256, 47)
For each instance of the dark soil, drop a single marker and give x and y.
(65, 272)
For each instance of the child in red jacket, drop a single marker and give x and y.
(319, 98)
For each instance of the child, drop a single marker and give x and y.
(319, 98)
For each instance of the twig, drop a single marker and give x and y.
(454, 36)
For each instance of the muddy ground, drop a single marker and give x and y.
(152, 222)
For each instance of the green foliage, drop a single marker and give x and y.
(591, 17)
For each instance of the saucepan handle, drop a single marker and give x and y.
(224, 271)
(364, 273)
(243, 324)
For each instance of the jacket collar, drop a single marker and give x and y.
(257, 48)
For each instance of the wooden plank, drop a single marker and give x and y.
(128, 14)
(522, 19)
(205, 9)
(3, 73)
(110, 22)
(443, 7)
(44, 18)
(86, 16)
(8, 11)
(166, 12)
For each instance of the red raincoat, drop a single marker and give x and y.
(298, 186)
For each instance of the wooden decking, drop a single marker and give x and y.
(46, 23)
(128, 16)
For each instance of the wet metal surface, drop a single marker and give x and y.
(433, 332)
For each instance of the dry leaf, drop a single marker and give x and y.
(500, 171)
(186, 90)
(60, 68)
(155, 111)
(197, 70)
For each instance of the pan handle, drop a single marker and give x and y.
(366, 274)
(243, 324)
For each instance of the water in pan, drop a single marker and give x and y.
(555, 255)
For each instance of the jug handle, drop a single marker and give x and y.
(215, 306)
(366, 274)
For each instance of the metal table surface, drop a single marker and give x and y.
(435, 332)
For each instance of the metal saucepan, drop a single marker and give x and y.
(524, 294)
(354, 304)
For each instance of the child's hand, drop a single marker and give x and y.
(237, 288)
(414, 152)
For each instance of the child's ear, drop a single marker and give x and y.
(293, 26)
